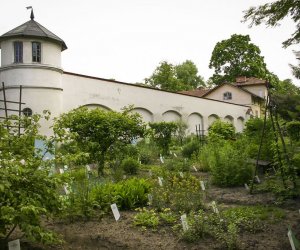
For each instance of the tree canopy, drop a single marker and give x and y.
(234, 57)
(96, 131)
(272, 13)
(175, 77)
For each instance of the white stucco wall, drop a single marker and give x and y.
(80, 90)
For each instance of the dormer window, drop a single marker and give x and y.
(227, 96)
(18, 52)
(36, 52)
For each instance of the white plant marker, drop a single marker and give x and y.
(14, 245)
(181, 174)
(88, 168)
(22, 162)
(246, 186)
(115, 211)
(257, 179)
(67, 189)
(150, 199)
(124, 177)
(150, 173)
(184, 222)
(214, 207)
(195, 168)
(291, 239)
(160, 181)
(66, 167)
(61, 171)
(175, 155)
(161, 159)
(202, 185)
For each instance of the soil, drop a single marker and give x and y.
(106, 233)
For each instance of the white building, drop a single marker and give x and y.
(31, 57)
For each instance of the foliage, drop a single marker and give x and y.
(28, 190)
(288, 106)
(177, 164)
(296, 69)
(221, 130)
(178, 193)
(130, 166)
(146, 218)
(127, 194)
(227, 162)
(253, 132)
(97, 131)
(175, 77)
(191, 148)
(272, 13)
(234, 57)
(148, 151)
(293, 130)
(181, 131)
(224, 227)
(162, 134)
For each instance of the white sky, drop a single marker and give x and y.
(126, 39)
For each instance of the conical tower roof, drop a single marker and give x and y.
(33, 29)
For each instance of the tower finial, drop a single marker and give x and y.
(31, 15)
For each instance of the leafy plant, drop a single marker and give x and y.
(146, 218)
(221, 130)
(162, 134)
(191, 148)
(130, 166)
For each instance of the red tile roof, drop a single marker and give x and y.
(196, 92)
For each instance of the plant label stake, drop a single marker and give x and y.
(195, 168)
(150, 173)
(66, 167)
(292, 239)
(181, 174)
(61, 171)
(160, 179)
(124, 177)
(184, 223)
(202, 185)
(150, 199)
(161, 159)
(67, 189)
(88, 168)
(115, 211)
(175, 155)
(214, 207)
(257, 179)
(247, 187)
(14, 245)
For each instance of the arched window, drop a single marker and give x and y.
(27, 112)
(227, 96)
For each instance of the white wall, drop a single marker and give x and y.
(81, 90)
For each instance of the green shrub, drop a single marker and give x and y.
(190, 148)
(177, 164)
(126, 194)
(293, 130)
(146, 218)
(130, 166)
(229, 166)
(221, 130)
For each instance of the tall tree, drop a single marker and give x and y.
(272, 13)
(236, 56)
(295, 68)
(175, 77)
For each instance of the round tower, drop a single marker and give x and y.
(31, 57)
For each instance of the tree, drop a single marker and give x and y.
(162, 134)
(296, 69)
(97, 131)
(272, 13)
(28, 190)
(175, 77)
(234, 57)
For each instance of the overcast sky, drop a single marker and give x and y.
(126, 39)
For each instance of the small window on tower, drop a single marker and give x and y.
(227, 96)
(36, 52)
(27, 112)
(18, 52)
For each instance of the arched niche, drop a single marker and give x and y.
(240, 123)
(96, 105)
(171, 116)
(194, 119)
(146, 115)
(212, 118)
(229, 119)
